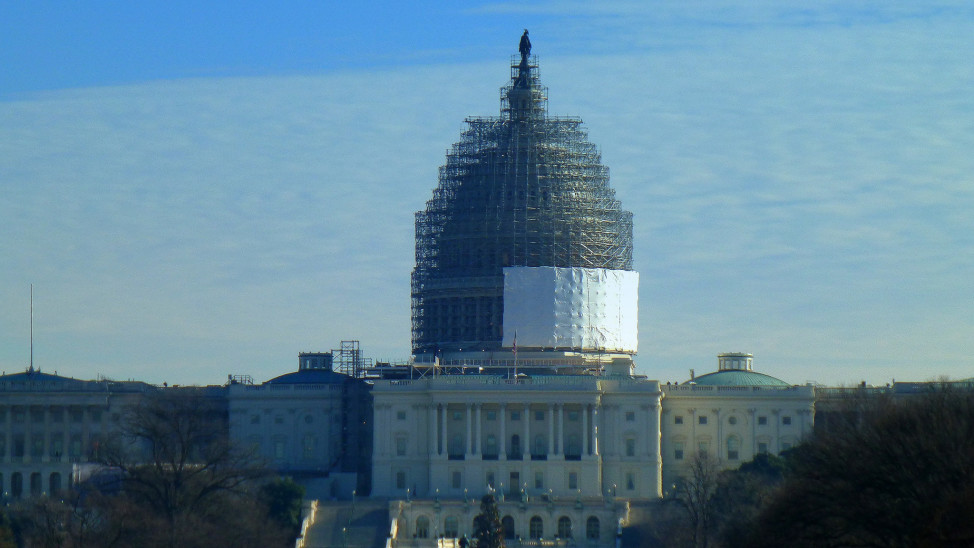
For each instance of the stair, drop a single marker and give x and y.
(341, 524)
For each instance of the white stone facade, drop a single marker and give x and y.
(561, 435)
(731, 424)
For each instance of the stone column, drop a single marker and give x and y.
(560, 449)
(595, 430)
(502, 446)
(443, 438)
(477, 439)
(586, 446)
(433, 414)
(551, 429)
(526, 442)
(469, 449)
(46, 451)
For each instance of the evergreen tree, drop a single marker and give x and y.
(488, 529)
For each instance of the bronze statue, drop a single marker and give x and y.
(525, 46)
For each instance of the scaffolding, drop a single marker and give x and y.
(519, 189)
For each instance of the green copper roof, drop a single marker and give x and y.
(738, 378)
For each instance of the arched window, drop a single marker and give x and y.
(564, 527)
(540, 446)
(490, 447)
(592, 528)
(451, 527)
(456, 446)
(536, 527)
(35, 484)
(515, 447)
(733, 448)
(422, 527)
(17, 484)
(55, 482)
(574, 447)
(508, 523)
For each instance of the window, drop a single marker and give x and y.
(490, 480)
(762, 447)
(54, 482)
(564, 527)
(490, 447)
(456, 479)
(592, 528)
(278, 420)
(678, 419)
(492, 415)
(451, 527)
(400, 447)
(538, 479)
(308, 419)
(732, 420)
(762, 421)
(400, 415)
(456, 447)
(422, 527)
(733, 448)
(515, 452)
(574, 448)
(279, 449)
(630, 447)
(308, 446)
(786, 420)
(630, 416)
(678, 450)
(515, 415)
(573, 416)
(539, 415)
(400, 479)
(703, 448)
(630, 481)
(702, 419)
(536, 527)
(457, 415)
(255, 419)
(508, 524)
(573, 480)
(540, 447)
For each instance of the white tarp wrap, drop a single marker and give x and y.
(582, 308)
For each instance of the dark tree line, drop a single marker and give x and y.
(885, 472)
(169, 478)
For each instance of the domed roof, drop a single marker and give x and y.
(738, 378)
(310, 376)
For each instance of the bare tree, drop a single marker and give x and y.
(695, 493)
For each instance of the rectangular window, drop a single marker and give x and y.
(515, 415)
(702, 419)
(278, 420)
(703, 448)
(492, 415)
(400, 415)
(456, 480)
(762, 447)
(490, 480)
(678, 451)
(539, 415)
(400, 447)
(630, 447)
(786, 420)
(630, 481)
(538, 479)
(400, 480)
(457, 415)
(762, 421)
(630, 416)
(573, 480)
(678, 419)
(573, 416)
(255, 419)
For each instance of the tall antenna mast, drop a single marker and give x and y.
(32, 328)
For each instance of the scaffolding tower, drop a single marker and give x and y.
(519, 189)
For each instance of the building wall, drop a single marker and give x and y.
(731, 424)
(560, 435)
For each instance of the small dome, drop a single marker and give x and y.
(738, 378)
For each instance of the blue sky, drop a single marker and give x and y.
(196, 191)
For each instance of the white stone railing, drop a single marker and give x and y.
(310, 510)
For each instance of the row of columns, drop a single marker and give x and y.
(439, 442)
(7, 437)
